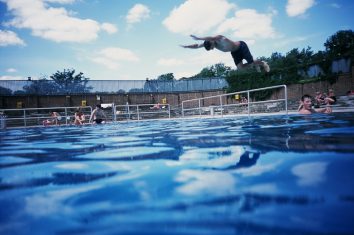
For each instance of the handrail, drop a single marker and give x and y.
(25, 117)
(131, 109)
(285, 99)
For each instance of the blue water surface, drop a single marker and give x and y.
(264, 175)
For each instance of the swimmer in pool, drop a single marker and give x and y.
(306, 106)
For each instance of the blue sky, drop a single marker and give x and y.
(135, 40)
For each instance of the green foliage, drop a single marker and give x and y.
(249, 79)
(5, 91)
(68, 82)
(166, 77)
(41, 86)
(340, 44)
(65, 82)
(293, 67)
(217, 70)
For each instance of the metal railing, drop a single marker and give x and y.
(36, 116)
(139, 111)
(219, 103)
(27, 117)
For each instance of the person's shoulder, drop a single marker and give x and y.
(219, 37)
(305, 111)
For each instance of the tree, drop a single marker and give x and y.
(41, 87)
(340, 44)
(217, 70)
(166, 77)
(205, 73)
(62, 83)
(70, 83)
(5, 91)
(220, 70)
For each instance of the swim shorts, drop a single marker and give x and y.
(242, 53)
(98, 121)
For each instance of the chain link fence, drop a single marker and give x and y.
(48, 87)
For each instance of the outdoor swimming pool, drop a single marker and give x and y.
(267, 175)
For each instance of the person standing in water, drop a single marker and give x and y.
(306, 106)
(98, 115)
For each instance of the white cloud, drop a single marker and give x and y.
(298, 7)
(194, 182)
(56, 24)
(170, 62)
(12, 78)
(112, 57)
(8, 38)
(197, 16)
(60, 1)
(310, 174)
(248, 23)
(195, 61)
(11, 70)
(109, 28)
(137, 14)
(204, 59)
(335, 5)
(285, 42)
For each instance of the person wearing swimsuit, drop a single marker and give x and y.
(238, 49)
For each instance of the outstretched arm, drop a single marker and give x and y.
(193, 46)
(214, 38)
(92, 115)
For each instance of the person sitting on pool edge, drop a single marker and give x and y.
(306, 106)
(55, 118)
(97, 115)
(79, 117)
(239, 50)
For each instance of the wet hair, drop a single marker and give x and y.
(207, 45)
(305, 97)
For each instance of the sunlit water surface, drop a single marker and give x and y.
(267, 175)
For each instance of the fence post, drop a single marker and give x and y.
(286, 98)
(24, 117)
(200, 110)
(66, 116)
(169, 111)
(137, 111)
(222, 113)
(114, 112)
(248, 102)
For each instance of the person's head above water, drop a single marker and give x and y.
(306, 101)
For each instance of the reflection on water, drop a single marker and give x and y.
(265, 175)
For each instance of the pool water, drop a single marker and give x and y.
(264, 175)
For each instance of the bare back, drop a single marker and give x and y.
(226, 45)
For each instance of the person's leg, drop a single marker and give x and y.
(242, 53)
(263, 64)
(246, 54)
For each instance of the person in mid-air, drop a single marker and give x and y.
(239, 50)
